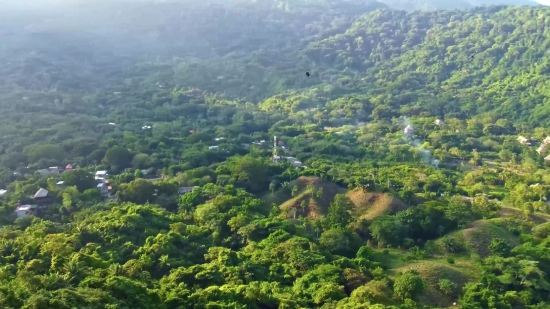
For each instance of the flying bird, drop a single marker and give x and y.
(472, 56)
(307, 74)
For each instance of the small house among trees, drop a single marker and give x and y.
(50, 171)
(103, 189)
(100, 176)
(524, 141)
(24, 210)
(184, 190)
(42, 196)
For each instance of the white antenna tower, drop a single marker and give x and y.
(274, 146)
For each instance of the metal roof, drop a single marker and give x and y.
(41, 193)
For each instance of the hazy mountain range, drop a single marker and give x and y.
(424, 5)
(409, 5)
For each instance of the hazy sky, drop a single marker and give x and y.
(54, 4)
(11, 7)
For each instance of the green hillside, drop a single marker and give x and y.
(423, 61)
(432, 5)
(174, 154)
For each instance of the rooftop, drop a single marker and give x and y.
(41, 193)
(23, 208)
(185, 189)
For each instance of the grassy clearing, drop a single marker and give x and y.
(542, 230)
(315, 206)
(370, 205)
(433, 271)
(510, 212)
(479, 234)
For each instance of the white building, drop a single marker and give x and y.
(51, 171)
(541, 148)
(23, 210)
(41, 193)
(290, 159)
(184, 190)
(408, 130)
(523, 140)
(103, 188)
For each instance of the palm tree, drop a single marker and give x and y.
(54, 280)
(313, 192)
(449, 245)
(294, 191)
(72, 269)
(116, 269)
(319, 192)
(290, 173)
(285, 187)
(303, 204)
(164, 261)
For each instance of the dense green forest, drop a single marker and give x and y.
(410, 170)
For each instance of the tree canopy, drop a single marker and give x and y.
(174, 154)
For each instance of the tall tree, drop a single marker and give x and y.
(80, 178)
(340, 211)
(409, 285)
(118, 156)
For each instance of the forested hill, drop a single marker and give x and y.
(432, 5)
(233, 39)
(174, 154)
(485, 60)
(106, 60)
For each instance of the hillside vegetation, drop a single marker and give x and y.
(372, 205)
(173, 154)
